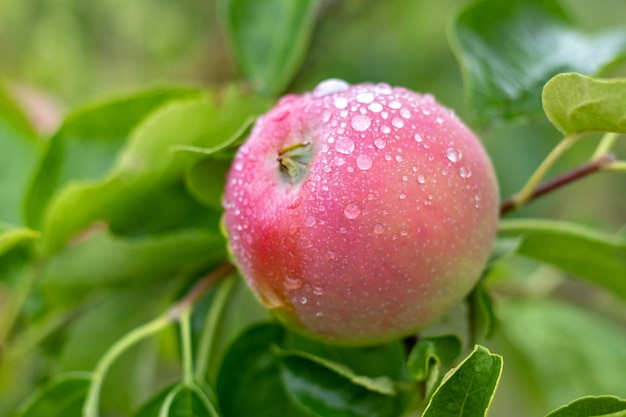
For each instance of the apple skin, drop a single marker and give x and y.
(385, 223)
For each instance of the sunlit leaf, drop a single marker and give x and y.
(605, 406)
(589, 254)
(575, 104)
(430, 354)
(269, 39)
(467, 390)
(509, 49)
(11, 236)
(62, 397)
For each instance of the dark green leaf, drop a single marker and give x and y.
(481, 315)
(19, 148)
(576, 104)
(206, 180)
(586, 253)
(342, 381)
(62, 397)
(467, 390)
(188, 401)
(510, 49)
(430, 354)
(269, 39)
(605, 406)
(249, 382)
(152, 407)
(566, 351)
(86, 146)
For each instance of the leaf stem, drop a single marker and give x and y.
(605, 145)
(526, 193)
(179, 312)
(618, 166)
(604, 162)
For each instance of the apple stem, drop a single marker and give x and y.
(582, 171)
(294, 160)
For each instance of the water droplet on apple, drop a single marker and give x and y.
(465, 172)
(318, 290)
(375, 107)
(344, 145)
(360, 123)
(364, 162)
(397, 122)
(439, 120)
(418, 138)
(330, 255)
(395, 104)
(330, 86)
(365, 97)
(453, 155)
(406, 113)
(291, 284)
(303, 300)
(352, 211)
(402, 196)
(341, 103)
(310, 221)
(379, 143)
(421, 179)
(385, 129)
(378, 229)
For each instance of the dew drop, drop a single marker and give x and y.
(293, 230)
(318, 291)
(385, 129)
(370, 196)
(395, 104)
(406, 113)
(439, 120)
(344, 145)
(291, 284)
(364, 162)
(352, 211)
(343, 230)
(341, 103)
(365, 97)
(310, 221)
(405, 178)
(397, 122)
(379, 143)
(421, 179)
(453, 155)
(418, 138)
(360, 123)
(378, 229)
(402, 196)
(303, 300)
(399, 158)
(383, 88)
(330, 86)
(404, 233)
(465, 172)
(339, 161)
(375, 107)
(330, 255)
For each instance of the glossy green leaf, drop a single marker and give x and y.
(430, 354)
(589, 254)
(249, 382)
(509, 49)
(148, 163)
(604, 406)
(188, 401)
(11, 236)
(381, 385)
(467, 390)
(343, 381)
(566, 351)
(62, 397)
(269, 39)
(87, 144)
(576, 104)
(19, 150)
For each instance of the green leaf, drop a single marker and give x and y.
(19, 152)
(595, 256)
(152, 407)
(62, 397)
(88, 265)
(188, 401)
(342, 381)
(467, 390)
(577, 104)
(604, 406)
(429, 355)
(509, 49)
(481, 315)
(87, 144)
(269, 39)
(566, 351)
(381, 385)
(11, 236)
(148, 163)
(249, 382)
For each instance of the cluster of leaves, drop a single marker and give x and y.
(123, 203)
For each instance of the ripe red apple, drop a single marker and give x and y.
(360, 214)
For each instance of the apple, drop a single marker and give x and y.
(360, 214)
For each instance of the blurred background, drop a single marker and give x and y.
(57, 55)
